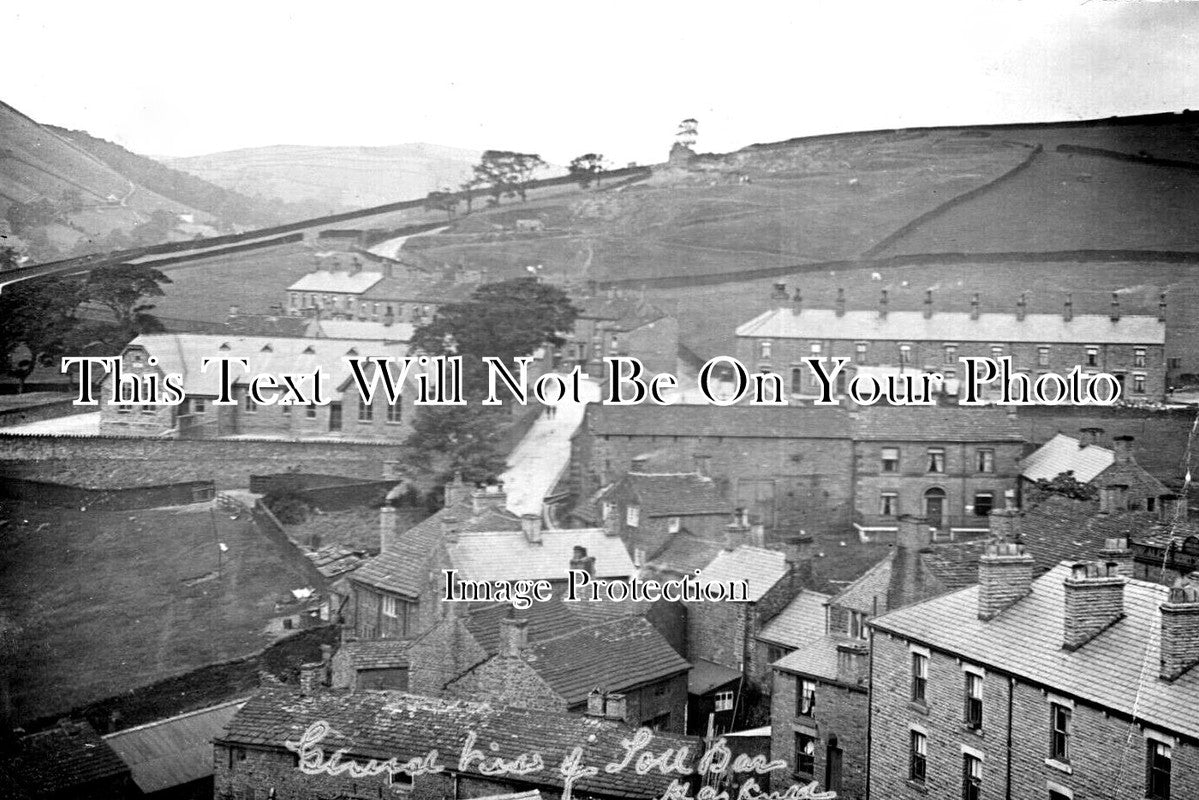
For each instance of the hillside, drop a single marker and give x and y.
(331, 179)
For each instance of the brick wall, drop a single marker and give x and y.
(1107, 755)
(841, 714)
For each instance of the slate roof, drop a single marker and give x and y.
(672, 494)
(619, 313)
(708, 675)
(685, 552)
(1059, 528)
(376, 653)
(183, 353)
(801, 621)
(1025, 640)
(363, 329)
(546, 620)
(615, 656)
(817, 657)
(386, 724)
(945, 567)
(936, 424)
(335, 560)
(267, 325)
(508, 555)
(760, 567)
(780, 422)
(954, 326)
(60, 759)
(175, 751)
(343, 282)
(415, 287)
(1064, 453)
(1131, 474)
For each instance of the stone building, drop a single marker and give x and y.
(1112, 474)
(342, 286)
(252, 757)
(819, 701)
(342, 413)
(617, 324)
(64, 762)
(1077, 684)
(1131, 347)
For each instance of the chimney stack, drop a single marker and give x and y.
(1122, 446)
(1115, 307)
(1021, 306)
(1094, 600)
(387, 528)
(450, 526)
(882, 305)
(907, 584)
(757, 535)
(638, 464)
(1117, 553)
(456, 491)
(928, 304)
(514, 637)
(1004, 576)
(616, 707)
(531, 525)
(913, 533)
(489, 497)
(1004, 524)
(853, 663)
(1068, 313)
(840, 302)
(737, 531)
(701, 461)
(1161, 308)
(974, 306)
(580, 560)
(595, 703)
(1089, 436)
(779, 292)
(797, 303)
(1167, 505)
(1180, 630)
(234, 310)
(311, 678)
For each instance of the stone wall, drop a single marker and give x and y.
(840, 719)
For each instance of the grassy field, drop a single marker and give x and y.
(120, 599)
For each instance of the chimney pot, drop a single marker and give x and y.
(638, 464)
(387, 528)
(928, 304)
(490, 497)
(616, 707)
(737, 531)
(456, 491)
(1004, 524)
(1122, 445)
(1161, 308)
(1021, 306)
(595, 703)
(531, 525)
(1094, 600)
(797, 303)
(840, 302)
(1117, 553)
(779, 292)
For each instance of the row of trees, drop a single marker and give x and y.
(40, 320)
(504, 173)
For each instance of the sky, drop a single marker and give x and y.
(560, 78)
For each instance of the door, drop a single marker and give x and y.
(335, 416)
(934, 507)
(832, 766)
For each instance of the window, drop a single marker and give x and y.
(890, 459)
(1054, 794)
(249, 405)
(1138, 383)
(399, 779)
(673, 524)
(805, 754)
(124, 409)
(658, 723)
(814, 349)
(197, 405)
(724, 701)
(857, 625)
(996, 351)
(775, 651)
(1157, 769)
(805, 698)
(764, 348)
(917, 757)
(1092, 356)
(607, 509)
(905, 354)
(1059, 732)
(148, 409)
(796, 380)
(974, 701)
(936, 459)
(919, 677)
(951, 354)
(972, 777)
(860, 350)
(1042, 356)
(389, 606)
(638, 556)
(888, 504)
(285, 408)
(985, 461)
(365, 412)
(1173, 363)
(632, 516)
(310, 411)
(395, 414)
(984, 502)
(1138, 357)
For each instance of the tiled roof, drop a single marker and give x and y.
(175, 751)
(1064, 453)
(386, 724)
(508, 555)
(781, 422)
(801, 621)
(760, 567)
(954, 326)
(936, 424)
(614, 656)
(707, 675)
(344, 282)
(1025, 640)
(60, 759)
(1059, 528)
(376, 653)
(183, 353)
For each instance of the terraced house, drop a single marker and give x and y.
(1131, 347)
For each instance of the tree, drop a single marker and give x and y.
(506, 320)
(36, 319)
(506, 173)
(586, 167)
(468, 188)
(1065, 484)
(121, 289)
(442, 200)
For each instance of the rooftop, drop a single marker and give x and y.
(954, 326)
(341, 282)
(59, 760)
(708, 675)
(508, 555)
(673, 494)
(740, 421)
(1064, 453)
(801, 621)
(761, 568)
(1025, 640)
(935, 424)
